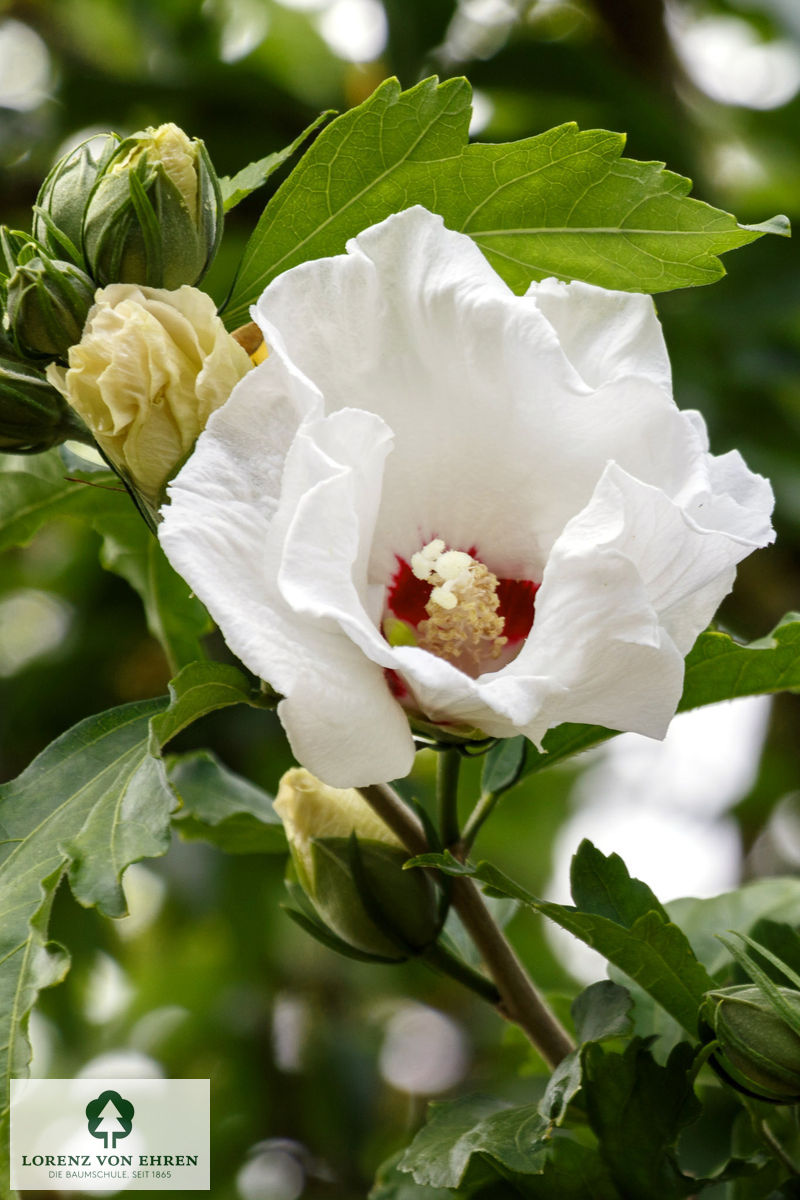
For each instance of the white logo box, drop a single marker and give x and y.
(110, 1134)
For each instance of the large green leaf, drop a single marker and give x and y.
(440, 1154)
(94, 801)
(393, 1184)
(81, 800)
(620, 918)
(637, 1109)
(480, 1140)
(775, 900)
(563, 203)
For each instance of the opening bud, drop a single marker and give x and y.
(350, 866)
(151, 367)
(155, 214)
(61, 204)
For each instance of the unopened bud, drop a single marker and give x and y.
(33, 415)
(47, 302)
(61, 204)
(155, 215)
(759, 1050)
(378, 908)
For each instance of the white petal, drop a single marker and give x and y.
(605, 335)
(413, 324)
(628, 587)
(224, 531)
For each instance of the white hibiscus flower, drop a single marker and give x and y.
(436, 498)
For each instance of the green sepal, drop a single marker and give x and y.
(61, 203)
(47, 303)
(34, 416)
(380, 918)
(326, 937)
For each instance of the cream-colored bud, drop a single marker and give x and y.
(310, 809)
(150, 368)
(361, 906)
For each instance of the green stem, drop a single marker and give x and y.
(777, 1149)
(519, 1000)
(440, 959)
(480, 813)
(762, 1130)
(447, 769)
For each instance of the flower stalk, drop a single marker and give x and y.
(448, 765)
(519, 1000)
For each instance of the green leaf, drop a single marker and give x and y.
(572, 1171)
(600, 884)
(602, 1010)
(237, 187)
(60, 814)
(393, 1184)
(562, 1086)
(637, 1109)
(201, 688)
(503, 765)
(479, 1139)
(91, 803)
(30, 499)
(175, 618)
(440, 1153)
(223, 808)
(563, 203)
(744, 909)
(641, 941)
(719, 668)
(784, 942)
(562, 743)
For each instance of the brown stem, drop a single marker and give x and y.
(519, 1000)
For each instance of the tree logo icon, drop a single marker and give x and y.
(110, 1117)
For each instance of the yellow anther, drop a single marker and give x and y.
(463, 621)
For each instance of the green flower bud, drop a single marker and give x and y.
(47, 303)
(33, 415)
(759, 1050)
(155, 215)
(61, 203)
(360, 891)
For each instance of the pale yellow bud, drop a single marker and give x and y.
(310, 809)
(150, 368)
(358, 907)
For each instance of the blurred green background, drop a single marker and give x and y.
(321, 1068)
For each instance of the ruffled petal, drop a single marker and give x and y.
(607, 336)
(414, 325)
(629, 585)
(234, 531)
